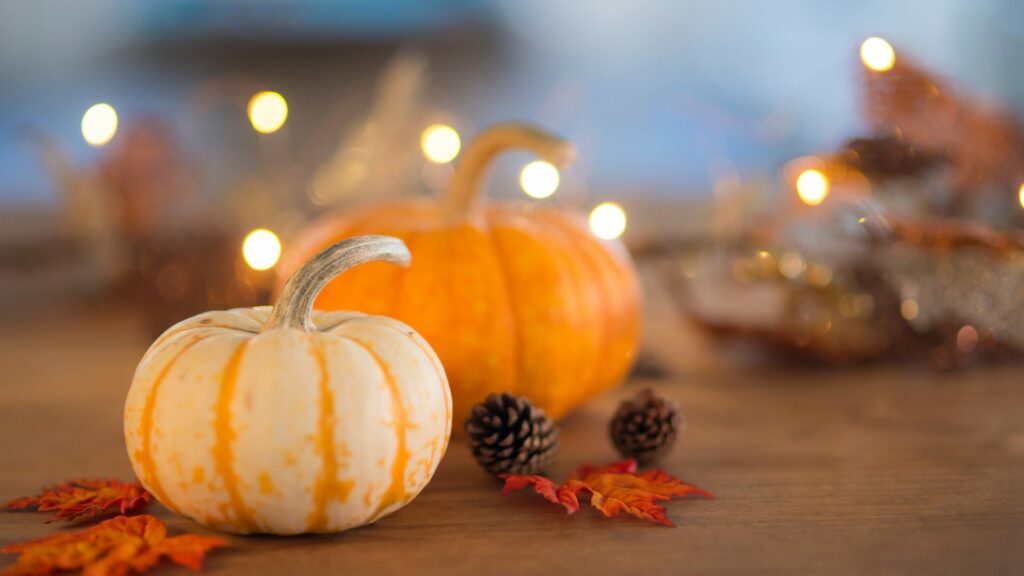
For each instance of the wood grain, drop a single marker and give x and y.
(887, 470)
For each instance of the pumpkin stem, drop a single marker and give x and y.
(486, 146)
(294, 307)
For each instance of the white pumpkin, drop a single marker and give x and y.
(287, 420)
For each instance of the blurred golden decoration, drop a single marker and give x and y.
(268, 111)
(958, 274)
(608, 220)
(918, 255)
(812, 186)
(877, 54)
(984, 143)
(440, 143)
(801, 306)
(99, 124)
(377, 155)
(539, 179)
(261, 249)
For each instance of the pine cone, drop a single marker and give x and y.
(510, 435)
(645, 427)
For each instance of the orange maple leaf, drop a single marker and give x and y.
(111, 548)
(613, 488)
(76, 498)
(544, 487)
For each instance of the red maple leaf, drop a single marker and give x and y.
(76, 498)
(613, 488)
(544, 487)
(111, 548)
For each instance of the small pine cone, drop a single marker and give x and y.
(645, 427)
(510, 435)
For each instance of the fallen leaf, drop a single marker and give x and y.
(613, 488)
(619, 488)
(542, 486)
(111, 548)
(76, 498)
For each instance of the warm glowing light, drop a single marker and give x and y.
(539, 179)
(877, 54)
(608, 220)
(99, 124)
(812, 186)
(267, 112)
(966, 338)
(791, 265)
(909, 309)
(261, 249)
(440, 143)
(765, 263)
(1020, 195)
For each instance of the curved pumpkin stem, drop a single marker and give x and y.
(294, 307)
(486, 146)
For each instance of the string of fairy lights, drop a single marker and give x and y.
(441, 144)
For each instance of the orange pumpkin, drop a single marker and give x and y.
(514, 298)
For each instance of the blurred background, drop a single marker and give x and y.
(789, 172)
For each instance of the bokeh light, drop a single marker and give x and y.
(791, 265)
(608, 220)
(877, 54)
(261, 249)
(99, 124)
(1020, 195)
(539, 179)
(440, 143)
(267, 112)
(967, 338)
(812, 186)
(909, 309)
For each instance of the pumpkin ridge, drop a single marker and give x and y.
(581, 357)
(145, 455)
(396, 490)
(587, 266)
(441, 379)
(327, 485)
(545, 350)
(223, 455)
(612, 272)
(506, 282)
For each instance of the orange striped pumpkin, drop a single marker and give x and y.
(286, 420)
(520, 299)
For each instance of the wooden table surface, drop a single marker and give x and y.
(886, 469)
